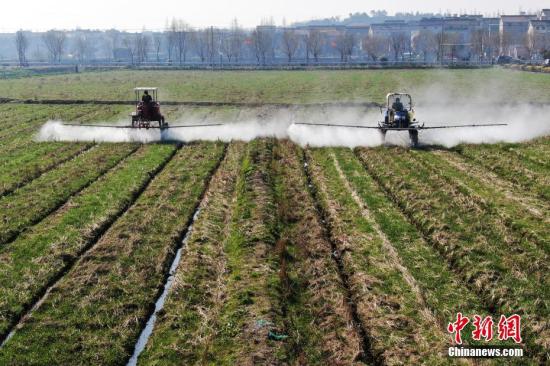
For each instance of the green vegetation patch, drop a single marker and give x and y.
(95, 313)
(34, 201)
(185, 329)
(281, 86)
(507, 280)
(41, 254)
(386, 303)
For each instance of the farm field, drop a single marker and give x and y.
(265, 252)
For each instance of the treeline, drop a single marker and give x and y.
(180, 44)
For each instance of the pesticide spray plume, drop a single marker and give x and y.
(433, 108)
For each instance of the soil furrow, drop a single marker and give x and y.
(184, 329)
(317, 316)
(502, 287)
(39, 280)
(394, 257)
(27, 175)
(30, 204)
(370, 356)
(95, 313)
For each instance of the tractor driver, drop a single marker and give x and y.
(397, 105)
(146, 98)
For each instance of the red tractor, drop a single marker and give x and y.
(147, 109)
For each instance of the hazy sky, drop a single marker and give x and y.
(133, 15)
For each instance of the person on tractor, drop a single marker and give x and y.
(146, 98)
(397, 105)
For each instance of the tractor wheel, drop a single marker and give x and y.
(413, 134)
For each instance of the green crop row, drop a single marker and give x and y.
(529, 176)
(475, 245)
(280, 86)
(28, 165)
(184, 330)
(388, 304)
(94, 314)
(317, 317)
(32, 202)
(525, 230)
(42, 254)
(23, 133)
(247, 315)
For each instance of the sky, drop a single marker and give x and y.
(152, 14)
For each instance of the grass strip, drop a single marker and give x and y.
(22, 137)
(95, 313)
(464, 235)
(30, 164)
(525, 232)
(42, 254)
(317, 319)
(386, 304)
(249, 312)
(529, 176)
(31, 203)
(184, 330)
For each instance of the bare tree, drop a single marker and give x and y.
(82, 47)
(505, 43)
(492, 45)
(314, 44)
(254, 44)
(141, 46)
(375, 46)
(290, 44)
(262, 44)
(157, 44)
(55, 44)
(180, 38)
(199, 40)
(398, 43)
(345, 42)
(111, 42)
(478, 43)
(211, 37)
(22, 44)
(425, 43)
(537, 43)
(171, 31)
(129, 43)
(232, 45)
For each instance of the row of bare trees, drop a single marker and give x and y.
(179, 42)
(53, 40)
(425, 43)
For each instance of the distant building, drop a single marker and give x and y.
(389, 28)
(538, 34)
(513, 35)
